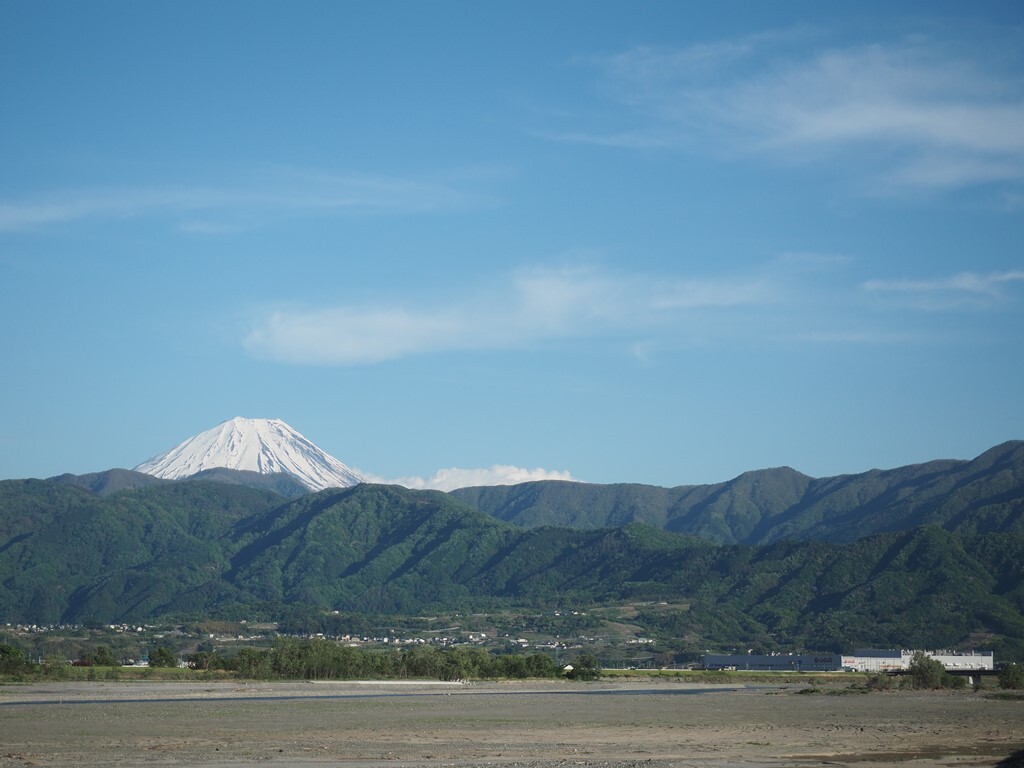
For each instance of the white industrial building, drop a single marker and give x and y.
(885, 660)
(861, 660)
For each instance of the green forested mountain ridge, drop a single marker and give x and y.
(200, 548)
(985, 495)
(111, 481)
(116, 480)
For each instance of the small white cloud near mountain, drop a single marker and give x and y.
(456, 477)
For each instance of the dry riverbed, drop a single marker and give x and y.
(501, 725)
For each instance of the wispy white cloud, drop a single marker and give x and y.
(926, 114)
(969, 282)
(218, 209)
(103, 203)
(964, 289)
(802, 297)
(455, 477)
(533, 306)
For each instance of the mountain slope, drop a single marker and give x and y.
(370, 548)
(266, 446)
(200, 548)
(985, 495)
(67, 554)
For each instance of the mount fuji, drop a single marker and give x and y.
(265, 446)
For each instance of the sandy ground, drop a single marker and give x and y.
(531, 725)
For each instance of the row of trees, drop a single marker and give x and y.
(14, 660)
(319, 659)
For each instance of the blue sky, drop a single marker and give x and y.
(627, 242)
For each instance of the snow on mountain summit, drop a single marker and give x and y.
(257, 445)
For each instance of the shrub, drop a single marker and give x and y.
(56, 667)
(163, 657)
(12, 660)
(1012, 676)
(585, 667)
(926, 672)
(104, 657)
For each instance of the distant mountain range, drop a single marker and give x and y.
(982, 495)
(758, 507)
(985, 494)
(928, 555)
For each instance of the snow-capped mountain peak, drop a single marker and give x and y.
(257, 445)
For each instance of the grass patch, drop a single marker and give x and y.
(815, 691)
(119, 674)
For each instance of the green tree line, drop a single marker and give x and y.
(320, 659)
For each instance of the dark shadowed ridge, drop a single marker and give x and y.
(116, 480)
(281, 483)
(108, 482)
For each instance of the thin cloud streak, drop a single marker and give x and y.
(929, 115)
(968, 282)
(105, 203)
(962, 291)
(287, 191)
(539, 305)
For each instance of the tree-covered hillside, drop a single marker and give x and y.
(985, 495)
(67, 554)
(208, 549)
(117, 480)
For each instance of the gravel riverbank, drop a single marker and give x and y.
(502, 725)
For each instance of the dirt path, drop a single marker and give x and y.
(606, 725)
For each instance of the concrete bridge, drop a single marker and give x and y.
(973, 675)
